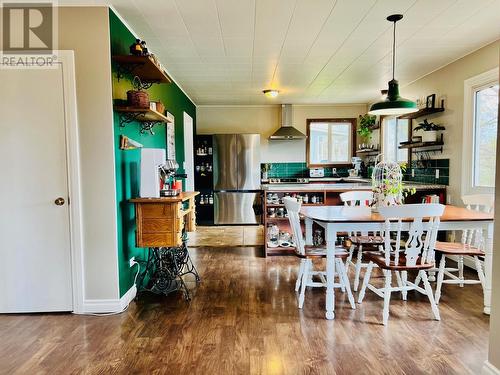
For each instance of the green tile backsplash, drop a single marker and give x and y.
(296, 170)
(424, 171)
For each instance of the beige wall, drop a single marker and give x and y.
(265, 120)
(86, 31)
(449, 82)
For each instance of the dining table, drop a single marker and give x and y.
(342, 219)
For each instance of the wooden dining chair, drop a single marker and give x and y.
(359, 239)
(308, 253)
(471, 245)
(399, 257)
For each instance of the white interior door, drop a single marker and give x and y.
(35, 258)
(188, 152)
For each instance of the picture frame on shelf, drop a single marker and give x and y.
(430, 101)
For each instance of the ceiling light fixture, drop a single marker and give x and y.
(394, 104)
(271, 93)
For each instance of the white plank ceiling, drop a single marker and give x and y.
(313, 51)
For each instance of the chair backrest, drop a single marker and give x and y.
(421, 238)
(357, 198)
(354, 198)
(293, 208)
(477, 202)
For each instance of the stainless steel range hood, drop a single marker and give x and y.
(287, 131)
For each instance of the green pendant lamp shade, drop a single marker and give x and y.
(394, 104)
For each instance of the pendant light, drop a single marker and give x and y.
(393, 104)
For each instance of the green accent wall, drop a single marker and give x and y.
(127, 163)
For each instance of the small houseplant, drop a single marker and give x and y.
(429, 130)
(365, 125)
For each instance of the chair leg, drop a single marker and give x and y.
(442, 265)
(366, 279)
(428, 289)
(461, 270)
(305, 278)
(349, 258)
(299, 276)
(345, 281)
(404, 275)
(418, 279)
(358, 268)
(387, 296)
(480, 272)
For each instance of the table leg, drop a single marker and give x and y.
(488, 249)
(309, 235)
(331, 238)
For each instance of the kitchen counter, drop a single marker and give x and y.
(362, 184)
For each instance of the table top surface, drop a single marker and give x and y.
(183, 196)
(341, 214)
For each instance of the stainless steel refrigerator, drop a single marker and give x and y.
(237, 179)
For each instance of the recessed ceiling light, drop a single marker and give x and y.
(271, 93)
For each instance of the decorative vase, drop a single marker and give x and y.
(429, 136)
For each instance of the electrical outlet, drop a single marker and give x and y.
(437, 174)
(334, 170)
(132, 262)
(413, 172)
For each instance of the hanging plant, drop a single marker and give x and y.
(365, 125)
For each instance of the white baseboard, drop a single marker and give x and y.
(489, 369)
(99, 306)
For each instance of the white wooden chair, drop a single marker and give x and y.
(308, 253)
(471, 244)
(359, 198)
(415, 254)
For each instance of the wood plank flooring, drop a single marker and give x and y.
(243, 319)
(227, 236)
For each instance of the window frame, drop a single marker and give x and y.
(471, 86)
(384, 133)
(351, 121)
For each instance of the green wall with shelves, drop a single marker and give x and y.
(127, 163)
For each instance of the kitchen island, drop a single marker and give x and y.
(319, 192)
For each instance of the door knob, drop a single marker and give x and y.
(59, 201)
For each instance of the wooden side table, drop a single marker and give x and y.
(161, 226)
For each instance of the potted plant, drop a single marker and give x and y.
(365, 125)
(265, 170)
(429, 130)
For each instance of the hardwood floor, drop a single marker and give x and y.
(243, 319)
(227, 235)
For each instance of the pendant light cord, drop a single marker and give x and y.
(393, 49)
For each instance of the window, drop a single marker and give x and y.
(395, 131)
(480, 133)
(330, 142)
(485, 123)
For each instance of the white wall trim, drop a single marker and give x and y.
(470, 85)
(489, 369)
(67, 60)
(103, 306)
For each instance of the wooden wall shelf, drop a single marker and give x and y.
(142, 67)
(422, 144)
(421, 113)
(146, 117)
